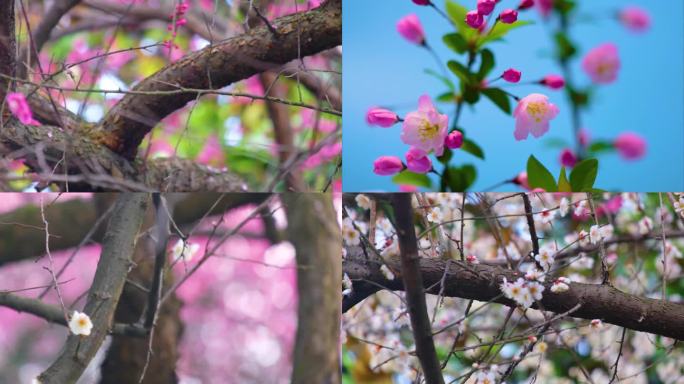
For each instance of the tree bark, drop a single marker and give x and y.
(7, 46)
(482, 282)
(312, 228)
(104, 294)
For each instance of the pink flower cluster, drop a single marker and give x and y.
(179, 17)
(475, 18)
(17, 104)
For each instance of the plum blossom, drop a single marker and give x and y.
(472, 259)
(520, 292)
(425, 128)
(532, 115)
(184, 250)
(596, 324)
(80, 324)
(534, 274)
(560, 285)
(20, 108)
(602, 63)
(435, 215)
(595, 234)
(363, 201)
(349, 234)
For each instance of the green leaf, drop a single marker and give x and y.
(461, 178)
(456, 42)
(411, 178)
(487, 63)
(472, 148)
(563, 183)
(498, 97)
(500, 30)
(441, 78)
(565, 48)
(540, 177)
(460, 71)
(583, 176)
(447, 97)
(601, 146)
(457, 13)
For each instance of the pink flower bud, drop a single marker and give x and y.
(568, 158)
(553, 81)
(485, 7)
(511, 75)
(381, 117)
(525, 4)
(630, 146)
(421, 2)
(411, 29)
(454, 140)
(521, 180)
(387, 165)
(602, 63)
(474, 19)
(417, 161)
(635, 19)
(509, 16)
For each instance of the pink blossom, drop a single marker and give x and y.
(521, 180)
(532, 115)
(381, 117)
(425, 128)
(525, 4)
(511, 75)
(553, 81)
(417, 161)
(387, 165)
(474, 19)
(20, 108)
(411, 29)
(408, 188)
(545, 7)
(635, 19)
(630, 146)
(485, 7)
(454, 140)
(509, 16)
(602, 63)
(568, 158)
(212, 153)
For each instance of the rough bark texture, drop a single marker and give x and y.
(481, 282)
(7, 45)
(411, 276)
(104, 293)
(126, 355)
(313, 230)
(24, 235)
(216, 66)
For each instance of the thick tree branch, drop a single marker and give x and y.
(411, 276)
(312, 228)
(216, 66)
(481, 282)
(7, 45)
(103, 296)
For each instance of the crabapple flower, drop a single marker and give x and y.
(19, 107)
(602, 64)
(509, 16)
(389, 275)
(454, 140)
(511, 75)
(564, 207)
(545, 7)
(525, 4)
(474, 19)
(635, 19)
(630, 146)
(421, 2)
(553, 81)
(381, 117)
(425, 128)
(435, 215)
(521, 180)
(417, 161)
(411, 29)
(485, 7)
(568, 158)
(387, 165)
(532, 115)
(80, 324)
(184, 250)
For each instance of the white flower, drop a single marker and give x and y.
(363, 201)
(534, 274)
(679, 206)
(535, 289)
(545, 258)
(596, 324)
(485, 377)
(546, 216)
(564, 207)
(645, 225)
(350, 235)
(80, 324)
(518, 292)
(595, 234)
(385, 225)
(36, 381)
(346, 282)
(559, 286)
(183, 250)
(606, 231)
(435, 215)
(387, 272)
(583, 237)
(581, 208)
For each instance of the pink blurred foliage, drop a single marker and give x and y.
(286, 7)
(239, 308)
(252, 86)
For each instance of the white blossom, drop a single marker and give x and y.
(596, 324)
(534, 274)
(184, 250)
(546, 216)
(564, 207)
(560, 285)
(595, 234)
(535, 289)
(387, 272)
(435, 215)
(80, 324)
(349, 234)
(472, 259)
(645, 225)
(363, 201)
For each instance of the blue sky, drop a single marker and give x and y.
(381, 68)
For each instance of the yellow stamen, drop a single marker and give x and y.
(537, 110)
(427, 131)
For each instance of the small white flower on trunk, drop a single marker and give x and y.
(80, 324)
(560, 285)
(347, 285)
(387, 272)
(184, 250)
(596, 324)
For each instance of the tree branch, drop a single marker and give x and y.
(415, 295)
(108, 283)
(7, 46)
(481, 282)
(216, 66)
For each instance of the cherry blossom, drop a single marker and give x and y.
(532, 115)
(425, 128)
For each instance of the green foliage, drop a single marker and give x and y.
(498, 97)
(563, 182)
(583, 175)
(456, 42)
(461, 72)
(540, 177)
(459, 179)
(565, 49)
(600, 146)
(500, 30)
(411, 178)
(472, 148)
(487, 63)
(441, 78)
